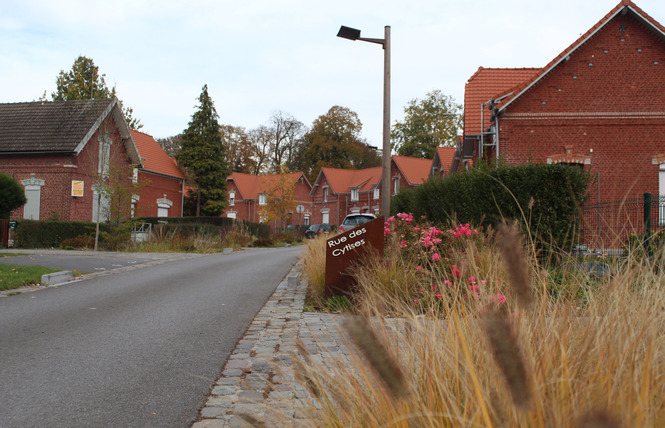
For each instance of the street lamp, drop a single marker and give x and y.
(353, 34)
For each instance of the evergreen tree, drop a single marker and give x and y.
(13, 195)
(203, 155)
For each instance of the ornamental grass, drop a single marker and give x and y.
(485, 335)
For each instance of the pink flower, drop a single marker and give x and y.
(436, 257)
(386, 232)
(415, 300)
(439, 296)
(474, 288)
(472, 279)
(433, 287)
(403, 244)
(447, 282)
(419, 268)
(501, 299)
(456, 272)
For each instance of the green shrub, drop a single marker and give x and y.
(545, 198)
(225, 224)
(50, 233)
(263, 242)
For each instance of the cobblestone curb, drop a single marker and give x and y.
(258, 379)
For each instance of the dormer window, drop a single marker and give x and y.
(377, 193)
(263, 200)
(354, 195)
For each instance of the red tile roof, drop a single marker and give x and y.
(487, 83)
(446, 155)
(625, 6)
(153, 157)
(250, 185)
(415, 170)
(342, 180)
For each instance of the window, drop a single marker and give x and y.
(325, 194)
(306, 220)
(232, 199)
(163, 206)
(33, 193)
(354, 195)
(325, 215)
(263, 199)
(231, 214)
(395, 186)
(377, 193)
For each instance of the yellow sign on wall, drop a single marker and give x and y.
(77, 188)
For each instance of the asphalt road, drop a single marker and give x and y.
(133, 349)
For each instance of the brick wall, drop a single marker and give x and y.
(157, 186)
(57, 172)
(608, 101)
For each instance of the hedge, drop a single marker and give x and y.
(546, 198)
(49, 233)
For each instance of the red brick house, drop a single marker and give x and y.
(338, 192)
(248, 193)
(443, 161)
(162, 182)
(598, 105)
(54, 150)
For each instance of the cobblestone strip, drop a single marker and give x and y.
(258, 379)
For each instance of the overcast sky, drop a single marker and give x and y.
(262, 56)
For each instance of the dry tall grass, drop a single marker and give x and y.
(468, 360)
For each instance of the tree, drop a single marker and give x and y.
(334, 141)
(279, 190)
(83, 82)
(286, 132)
(240, 152)
(260, 139)
(204, 157)
(171, 145)
(13, 195)
(428, 123)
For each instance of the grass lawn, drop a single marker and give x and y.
(14, 276)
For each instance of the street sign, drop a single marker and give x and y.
(13, 224)
(346, 250)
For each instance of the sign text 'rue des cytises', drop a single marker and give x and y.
(347, 249)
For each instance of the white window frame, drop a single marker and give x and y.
(263, 199)
(231, 214)
(396, 185)
(163, 206)
(325, 216)
(232, 199)
(377, 193)
(355, 195)
(325, 194)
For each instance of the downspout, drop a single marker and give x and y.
(182, 202)
(482, 130)
(496, 136)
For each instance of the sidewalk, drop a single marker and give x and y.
(258, 374)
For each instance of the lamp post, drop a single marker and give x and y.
(353, 34)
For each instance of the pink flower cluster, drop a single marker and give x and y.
(463, 230)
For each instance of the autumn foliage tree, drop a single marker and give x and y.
(334, 141)
(279, 192)
(428, 123)
(204, 157)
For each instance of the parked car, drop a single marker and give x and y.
(353, 220)
(317, 229)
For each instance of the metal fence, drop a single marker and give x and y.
(609, 225)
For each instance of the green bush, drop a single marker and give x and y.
(50, 233)
(545, 198)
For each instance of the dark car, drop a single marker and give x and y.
(353, 220)
(317, 229)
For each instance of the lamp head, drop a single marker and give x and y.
(348, 33)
